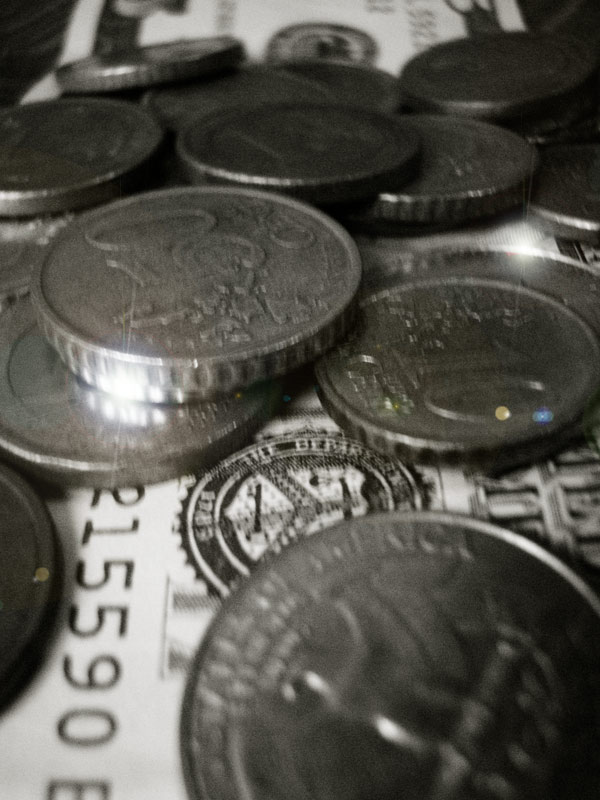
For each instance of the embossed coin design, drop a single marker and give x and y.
(566, 194)
(303, 81)
(146, 66)
(30, 582)
(431, 361)
(411, 655)
(324, 154)
(54, 426)
(194, 292)
(270, 493)
(468, 169)
(513, 77)
(66, 154)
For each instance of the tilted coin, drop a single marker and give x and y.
(303, 81)
(468, 169)
(54, 426)
(65, 154)
(566, 193)
(459, 368)
(512, 77)
(411, 655)
(146, 66)
(30, 582)
(270, 493)
(324, 154)
(193, 292)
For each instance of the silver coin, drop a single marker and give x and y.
(461, 368)
(195, 292)
(66, 154)
(55, 427)
(145, 66)
(412, 655)
(268, 494)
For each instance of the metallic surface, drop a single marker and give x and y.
(54, 426)
(566, 194)
(508, 76)
(66, 154)
(255, 84)
(195, 292)
(468, 169)
(324, 154)
(414, 655)
(460, 368)
(30, 582)
(146, 66)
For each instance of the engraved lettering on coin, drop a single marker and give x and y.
(265, 496)
(405, 654)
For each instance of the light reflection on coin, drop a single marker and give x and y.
(54, 426)
(413, 655)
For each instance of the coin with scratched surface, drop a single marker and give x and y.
(566, 193)
(324, 154)
(459, 368)
(66, 154)
(30, 582)
(194, 292)
(255, 84)
(468, 169)
(145, 66)
(54, 426)
(267, 495)
(399, 655)
(513, 77)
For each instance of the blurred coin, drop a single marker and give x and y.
(566, 194)
(579, 132)
(23, 246)
(320, 153)
(505, 77)
(194, 292)
(468, 169)
(255, 84)
(54, 426)
(322, 40)
(30, 582)
(146, 66)
(411, 655)
(457, 368)
(65, 154)
(268, 494)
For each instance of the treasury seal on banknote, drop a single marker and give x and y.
(269, 494)
(66, 154)
(30, 582)
(412, 655)
(195, 292)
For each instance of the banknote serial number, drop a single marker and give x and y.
(92, 720)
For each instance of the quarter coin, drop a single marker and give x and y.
(403, 655)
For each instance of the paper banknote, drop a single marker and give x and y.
(147, 568)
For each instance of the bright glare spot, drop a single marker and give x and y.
(502, 413)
